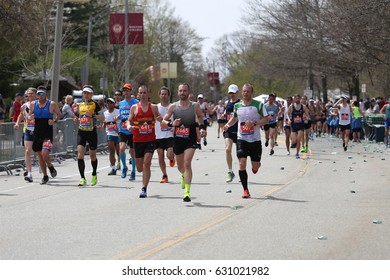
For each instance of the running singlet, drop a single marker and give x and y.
(387, 111)
(144, 125)
(344, 115)
(29, 124)
(88, 123)
(124, 112)
(163, 132)
(187, 129)
(42, 117)
(271, 110)
(229, 114)
(297, 115)
(253, 112)
(111, 125)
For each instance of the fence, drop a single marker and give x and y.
(64, 143)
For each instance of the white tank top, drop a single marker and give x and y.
(166, 132)
(344, 115)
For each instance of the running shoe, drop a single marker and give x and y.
(230, 177)
(124, 172)
(199, 146)
(53, 171)
(172, 162)
(271, 152)
(187, 198)
(143, 193)
(132, 176)
(306, 149)
(303, 149)
(345, 148)
(25, 173)
(246, 194)
(112, 172)
(276, 144)
(297, 156)
(83, 182)
(183, 184)
(164, 179)
(266, 143)
(204, 142)
(288, 153)
(293, 146)
(93, 180)
(118, 165)
(44, 180)
(28, 179)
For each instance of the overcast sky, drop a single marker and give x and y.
(210, 18)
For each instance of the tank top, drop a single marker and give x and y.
(297, 115)
(42, 117)
(344, 115)
(387, 111)
(111, 125)
(229, 115)
(88, 123)
(124, 112)
(271, 110)
(29, 124)
(163, 132)
(188, 121)
(144, 125)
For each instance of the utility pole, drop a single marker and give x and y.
(55, 74)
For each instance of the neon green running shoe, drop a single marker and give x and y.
(183, 184)
(93, 180)
(83, 182)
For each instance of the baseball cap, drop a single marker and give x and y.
(110, 100)
(19, 94)
(41, 92)
(200, 96)
(233, 88)
(127, 86)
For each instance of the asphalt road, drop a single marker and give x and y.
(328, 205)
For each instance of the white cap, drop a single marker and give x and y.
(111, 100)
(233, 88)
(200, 95)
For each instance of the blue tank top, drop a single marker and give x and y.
(124, 112)
(42, 113)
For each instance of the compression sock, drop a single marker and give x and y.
(94, 167)
(81, 165)
(244, 178)
(123, 159)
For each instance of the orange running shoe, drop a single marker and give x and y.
(172, 162)
(164, 179)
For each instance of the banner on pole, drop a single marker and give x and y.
(168, 70)
(135, 30)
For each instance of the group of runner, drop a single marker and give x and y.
(175, 128)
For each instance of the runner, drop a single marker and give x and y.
(205, 111)
(287, 124)
(386, 110)
(142, 119)
(297, 116)
(230, 135)
(41, 112)
(344, 111)
(111, 123)
(220, 109)
(126, 136)
(270, 128)
(28, 131)
(251, 115)
(307, 127)
(187, 116)
(87, 114)
(164, 135)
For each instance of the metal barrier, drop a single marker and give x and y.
(64, 143)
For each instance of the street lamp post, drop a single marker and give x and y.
(126, 42)
(55, 74)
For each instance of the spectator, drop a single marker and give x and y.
(15, 108)
(3, 109)
(67, 111)
(374, 107)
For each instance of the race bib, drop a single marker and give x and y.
(112, 127)
(145, 128)
(183, 132)
(85, 121)
(297, 119)
(30, 124)
(245, 130)
(47, 145)
(344, 116)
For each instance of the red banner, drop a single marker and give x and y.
(213, 78)
(135, 31)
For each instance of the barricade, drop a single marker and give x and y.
(374, 125)
(64, 143)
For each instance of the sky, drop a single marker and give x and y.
(210, 18)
